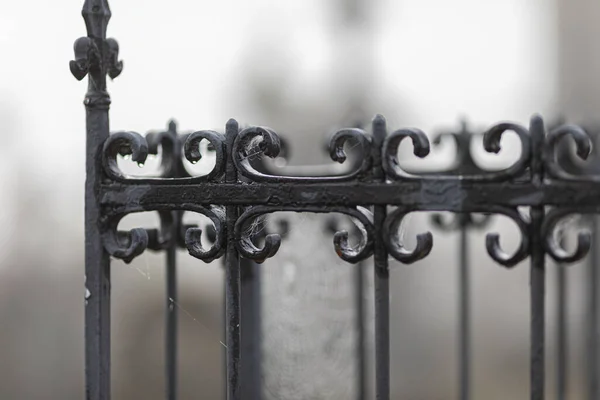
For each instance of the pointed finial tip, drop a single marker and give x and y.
(536, 119)
(96, 14)
(379, 119)
(172, 124)
(99, 7)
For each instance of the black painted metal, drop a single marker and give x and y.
(96, 56)
(171, 323)
(561, 335)
(251, 369)
(465, 314)
(361, 359)
(593, 330)
(538, 269)
(235, 193)
(382, 274)
(232, 277)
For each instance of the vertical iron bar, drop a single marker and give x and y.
(382, 275)
(538, 293)
(464, 289)
(224, 325)
(95, 58)
(561, 337)
(171, 315)
(176, 170)
(232, 278)
(538, 268)
(592, 329)
(360, 329)
(251, 374)
(97, 261)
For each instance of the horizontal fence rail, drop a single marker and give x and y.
(537, 192)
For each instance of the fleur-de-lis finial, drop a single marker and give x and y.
(95, 55)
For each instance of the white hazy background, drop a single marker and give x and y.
(291, 65)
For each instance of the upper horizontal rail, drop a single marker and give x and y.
(426, 195)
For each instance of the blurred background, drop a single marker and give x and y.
(303, 68)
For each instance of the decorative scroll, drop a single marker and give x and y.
(421, 146)
(235, 193)
(260, 140)
(128, 245)
(492, 240)
(554, 247)
(135, 145)
(361, 216)
(396, 248)
(193, 154)
(583, 143)
(464, 190)
(393, 241)
(124, 144)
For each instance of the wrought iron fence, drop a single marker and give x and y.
(377, 194)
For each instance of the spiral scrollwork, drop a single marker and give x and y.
(251, 142)
(135, 145)
(395, 247)
(361, 217)
(128, 245)
(192, 151)
(260, 140)
(391, 164)
(341, 137)
(583, 143)
(554, 247)
(492, 240)
(422, 147)
(124, 144)
(393, 241)
(193, 236)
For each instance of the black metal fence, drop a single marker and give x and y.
(377, 194)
